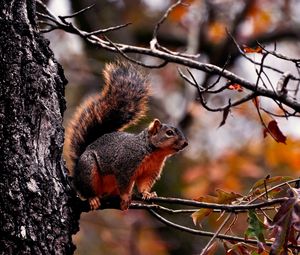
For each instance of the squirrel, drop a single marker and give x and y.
(105, 160)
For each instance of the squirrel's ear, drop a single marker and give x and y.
(154, 127)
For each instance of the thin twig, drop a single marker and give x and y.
(78, 12)
(46, 16)
(134, 60)
(220, 76)
(154, 44)
(261, 68)
(143, 206)
(164, 17)
(274, 187)
(171, 58)
(223, 207)
(46, 9)
(216, 234)
(209, 234)
(285, 115)
(106, 30)
(203, 90)
(265, 186)
(183, 76)
(278, 55)
(251, 60)
(233, 222)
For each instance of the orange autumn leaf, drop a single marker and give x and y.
(226, 197)
(270, 180)
(275, 132)
(235, 86)
(198, 216)
(222, 197)
(257, 49)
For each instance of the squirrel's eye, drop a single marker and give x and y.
(170, 133)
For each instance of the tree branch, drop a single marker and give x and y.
(209, 234)
(170, 57)
(113, 202)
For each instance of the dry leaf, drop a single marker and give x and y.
(236, 86)
(275, 132)
(225, 115)
(286, 217)
(257, 49)
(223, 197)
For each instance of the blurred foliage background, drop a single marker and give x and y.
(231, 157)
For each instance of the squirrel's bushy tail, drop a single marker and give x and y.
(122, 102)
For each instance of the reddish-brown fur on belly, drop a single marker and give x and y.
(153, 164)
(106, 184)
(109, 184)
(148, 170)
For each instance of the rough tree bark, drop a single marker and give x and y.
(36, 217)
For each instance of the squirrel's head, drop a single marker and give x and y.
(163, 136)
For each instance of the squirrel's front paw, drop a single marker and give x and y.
(94, 203)
(148, 195)
(124, 205)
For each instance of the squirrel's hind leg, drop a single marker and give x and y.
(88, 181)
(125, 196)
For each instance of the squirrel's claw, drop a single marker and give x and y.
(148, 195)
(94, 203)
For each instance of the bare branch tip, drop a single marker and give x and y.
(77, 13)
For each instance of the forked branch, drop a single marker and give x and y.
(167, 56)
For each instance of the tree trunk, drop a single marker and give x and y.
(35, 212)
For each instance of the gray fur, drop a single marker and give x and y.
(117, 153)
